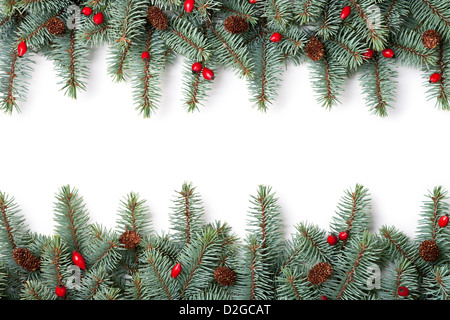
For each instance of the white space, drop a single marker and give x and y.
(309, 155)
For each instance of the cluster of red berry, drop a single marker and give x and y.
(332, 239)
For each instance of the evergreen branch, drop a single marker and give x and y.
(378, 83)
(360, 256)
(231, 52)
(410, 50)
(441, 90)
(134, 215)
(401, 274)
(195, 88)
(35, 290)
(306, 11)
(328, 81)
(71, 63)
(266, 61)
(199, 259)
(353, 215)
(186, 39)
(437, 284)
(187, 215)
(396, 245)
(71, 219)
(376, 33)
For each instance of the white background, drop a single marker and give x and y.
(309, 155)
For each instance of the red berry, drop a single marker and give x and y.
(22, 48)
(345, 12)
(276, 37)
(388, 53)
(197, 67)
(60, 291)
(189, 5)
(323, 298)
(145, 55)
(435, 77)
(368, 54)
(403, 291)
(98, 18)
(78, 260)
(252, 1)
(87, 11)
(176, 270)
(208, 74)
(443, 221)
(343, 235)
(332, 239)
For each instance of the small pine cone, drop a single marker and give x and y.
(225, 276)
(429, 250)
(130, 239)
(55, 26)
(430, 39)
(320, 273)
(24, 258)
(157, 18)
(235, 24)
(314, 49)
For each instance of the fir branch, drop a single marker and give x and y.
(134, 215)
(199, 259)
(14, 76)
(354, 269)
(353, 212)
(186, 39)
(409, 50)
(257, 281)
(36, 290)
(437, 284)
(293, 285)
(441, 90)
(71, 219)
(378, 82)
(55, 260)
(400, 274)
(187, 216)
(328, 23)
(278, 13)
(432, 14)
(397, 246)
(127, 23)
(306, 11)
(328, 80)
(375, 32)
(146, 73)
(195, 87)
(230, 51)
(71, 63)
(267, 62)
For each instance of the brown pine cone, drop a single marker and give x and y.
(430, 39)
(24, 258)
(157, 18)
(429, 250)
(320, 273)
(314, 49)
(225, 276)
(56, 26)
(235, 24)
(130, 239)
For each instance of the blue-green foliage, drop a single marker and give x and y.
(200, 36)
(265, 266)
